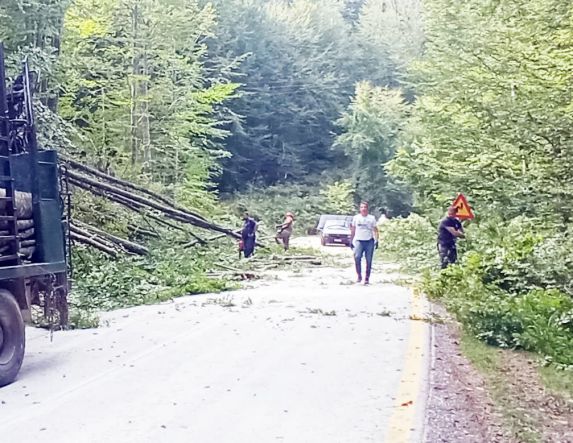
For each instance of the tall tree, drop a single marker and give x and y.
(136, 88)
(372, 130)
(390, 34)
(33, 28)
(494, 118)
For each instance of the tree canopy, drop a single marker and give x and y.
(493, 112)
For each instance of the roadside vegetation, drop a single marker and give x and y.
(484, 134)
(511, 287)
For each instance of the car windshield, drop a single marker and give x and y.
(336, 224)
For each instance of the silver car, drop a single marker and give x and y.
(335, 232)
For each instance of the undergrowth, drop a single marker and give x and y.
(170, 270)
(167, 272)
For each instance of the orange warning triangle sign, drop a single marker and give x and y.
(464, 209)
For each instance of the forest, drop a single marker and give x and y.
(312, 106)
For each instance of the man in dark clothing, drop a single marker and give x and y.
(248, 235)
(449, 231)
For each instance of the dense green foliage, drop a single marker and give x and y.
(33, 28)
(123, 86)
(134, 85)
(512, 287)
(296, 76)
(168, 272)
(493, 117)
(242, 91)
(372, 127)
(299, 63)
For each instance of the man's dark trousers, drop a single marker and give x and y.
(448, 254)
(364, 247)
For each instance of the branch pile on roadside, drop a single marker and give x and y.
(135, 198)
(104, 241)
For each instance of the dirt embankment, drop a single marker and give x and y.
(504, 402)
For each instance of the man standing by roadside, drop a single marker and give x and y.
(285, 231)
(449, 231)
(363, 240)
(248, 235)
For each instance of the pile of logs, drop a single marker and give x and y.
(25, 224)
(137, 198)
(26, 239)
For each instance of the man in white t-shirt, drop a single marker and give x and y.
(363, 240)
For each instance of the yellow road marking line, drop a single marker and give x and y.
(407, 404)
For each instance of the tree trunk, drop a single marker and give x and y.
(144, 109)
(134, 90)
(89, 231)
(124, 183)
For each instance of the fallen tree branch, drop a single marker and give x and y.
(307, 259)
(178, 228)
(145, 232)
(135, 201)
(88, 169)
(216, 237)
(84, 229)
(242, 275)
(163, 222)
(293, 257)
(190, 244)
(197, 238)
(94, 243)
(140, 208)
(228, 268)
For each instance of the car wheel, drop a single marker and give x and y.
(322, 241)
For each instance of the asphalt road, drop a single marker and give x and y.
(308, 357)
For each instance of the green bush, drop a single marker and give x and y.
(547, 322)
(339, 197)
(410, 241)
(517, 255)
(539, 320)
(166, 273)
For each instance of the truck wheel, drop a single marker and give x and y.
(12, 338)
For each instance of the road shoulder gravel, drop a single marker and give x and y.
(459, 407)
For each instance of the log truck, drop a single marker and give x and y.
(34, 250)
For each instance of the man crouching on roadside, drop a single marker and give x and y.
(363, 240)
